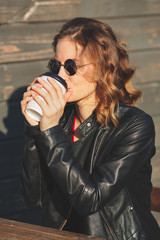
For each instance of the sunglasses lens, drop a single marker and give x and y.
(54, 66)
(70, 66)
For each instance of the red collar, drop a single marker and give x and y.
(73, 128)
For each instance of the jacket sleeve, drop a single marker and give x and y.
(133, 145)
(32, 184)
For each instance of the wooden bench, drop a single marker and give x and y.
(155, 199)
(23, 231)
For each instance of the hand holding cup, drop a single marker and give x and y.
(51, 102)
(33, 109)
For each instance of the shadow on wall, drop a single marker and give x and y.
(11, 152)
(13, 122)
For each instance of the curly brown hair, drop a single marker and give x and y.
(114, 70)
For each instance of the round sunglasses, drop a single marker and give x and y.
(70, 66)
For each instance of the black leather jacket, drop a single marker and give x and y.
(112, 193)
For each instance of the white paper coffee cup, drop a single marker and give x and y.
(33, 109)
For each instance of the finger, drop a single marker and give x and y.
(24, 103)
(49, 94)
(42, 93)
(56, 86)
(52, 95)
(67, 95)
(39, 99)
(23, 110)
(55, 91)
(46, 108)
(35, 84)
(30, 86)
(28, 94)
(59, 98)
(34, 81)
(44, 83)
(27, 99)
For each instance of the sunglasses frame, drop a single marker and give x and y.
(59, 64)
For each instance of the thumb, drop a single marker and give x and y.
(67, 95)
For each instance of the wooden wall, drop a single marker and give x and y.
(27, 28)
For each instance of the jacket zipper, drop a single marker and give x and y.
(65, 221)
(109, 228)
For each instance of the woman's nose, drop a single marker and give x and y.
(62, 73)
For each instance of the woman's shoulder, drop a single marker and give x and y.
(134, 116)
(132, 110)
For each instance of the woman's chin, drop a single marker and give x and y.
(70, 99)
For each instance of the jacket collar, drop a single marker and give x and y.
(88, 124)
(85, 128)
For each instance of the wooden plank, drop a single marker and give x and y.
(147, 66)
(157, 217)
(156, 168)
(140, 33)
(155, 172)
(14, 78)
(156, 120)
(150, 100)
(39, 232)
(123, 8)
(25, 42)
(155, 199)
(55, 10)
(10, 9)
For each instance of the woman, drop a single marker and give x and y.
(88, 161)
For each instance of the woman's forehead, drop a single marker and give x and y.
(72, 49)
